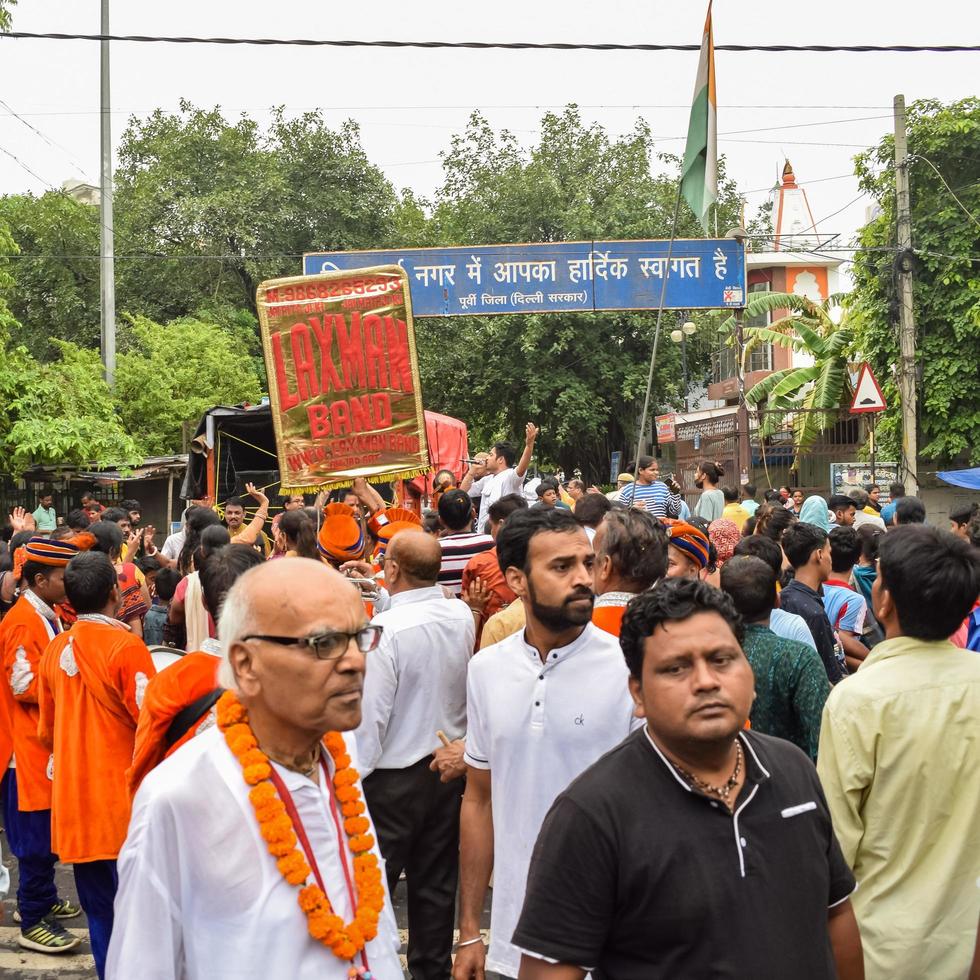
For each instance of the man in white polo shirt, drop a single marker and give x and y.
(503, 477)
(542, 706)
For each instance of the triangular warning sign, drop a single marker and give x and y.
(867, 393)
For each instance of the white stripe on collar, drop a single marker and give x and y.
(40, 606)
(670, 768)
(748, 744)
(105, 620)
(673, 770)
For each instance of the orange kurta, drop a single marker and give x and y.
(24, 634)
(92, 681)
(172, 690)
(609, 618)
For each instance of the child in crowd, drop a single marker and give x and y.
(165, 582)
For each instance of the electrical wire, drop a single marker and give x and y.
(963, 208)
(20, 163)
(496, 45)
(120, 110)
(51, 143)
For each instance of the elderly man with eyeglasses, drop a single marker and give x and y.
(250, 850)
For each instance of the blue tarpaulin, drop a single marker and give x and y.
(969, 479)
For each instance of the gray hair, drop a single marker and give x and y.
(859, 496)
(236, 620)
(637, 544)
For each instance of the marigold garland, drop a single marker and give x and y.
(345, 940)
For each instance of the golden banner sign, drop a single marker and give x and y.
(343, 377)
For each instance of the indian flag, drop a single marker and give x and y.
(699, 176)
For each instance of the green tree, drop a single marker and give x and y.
(55, 288)
(581, 376)
(811, 395)
(944, 143)
(217, 207)
(5, 6)
(61, 412)
(170, 375)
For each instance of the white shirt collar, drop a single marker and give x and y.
(747, 743)
(416, 595)
(40, 606)
(614, 599)
(105, 620)
(212, 646)
(558, 654)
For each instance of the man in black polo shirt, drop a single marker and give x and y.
(808, 549)
(697, 849)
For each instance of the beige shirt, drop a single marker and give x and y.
(899, 760)
(503, 624)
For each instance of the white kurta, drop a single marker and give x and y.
(200, 897)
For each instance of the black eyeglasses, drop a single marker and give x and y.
(331, 645)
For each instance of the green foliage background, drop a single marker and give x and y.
(946, 278)
(207, 208)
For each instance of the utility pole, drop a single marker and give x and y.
(906, 329)
(107, 249)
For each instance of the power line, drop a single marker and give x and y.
(499, 45)
(51, 143)
(120, 110)
(963, 207)
(23, 166)
(800, 183)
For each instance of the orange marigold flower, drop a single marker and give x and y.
(234, 733)
(312, 899)
(279, 828)
(263, 793)
(293, 868)
(345, 777)
(356, 825)
(241, 744)
(346, 950)
(253, 757)
(256, 774)
(265, 812)
(362, 842)
(230, 709)
(276, 828)
(280, 848)
(334, 742)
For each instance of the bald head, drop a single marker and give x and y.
(288, 597)
(412, 562)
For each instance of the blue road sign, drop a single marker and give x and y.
(559, 276)
(615, 462)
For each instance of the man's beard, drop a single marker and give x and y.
(565, 616)
(699, 484)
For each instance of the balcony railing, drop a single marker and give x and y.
(723, 362)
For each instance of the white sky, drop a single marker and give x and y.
(409, 102)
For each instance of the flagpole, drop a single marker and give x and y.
(656, 333)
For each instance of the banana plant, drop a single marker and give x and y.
(808, 397)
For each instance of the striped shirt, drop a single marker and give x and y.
(457, 550)
(655, 497)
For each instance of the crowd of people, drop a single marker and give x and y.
(667, 738)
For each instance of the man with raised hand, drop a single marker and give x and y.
(502, 475)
